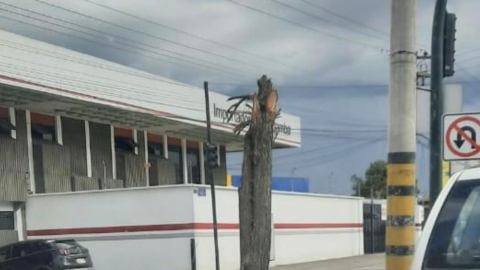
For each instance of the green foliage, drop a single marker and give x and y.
(375, 179)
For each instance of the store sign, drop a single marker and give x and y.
(242, 116)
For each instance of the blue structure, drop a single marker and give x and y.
(293, 184)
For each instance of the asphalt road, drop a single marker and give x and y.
(366, 262)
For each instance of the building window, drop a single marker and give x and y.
(175, 156)
(193, 163)
(7, 221)
(7, 126)
(124, 141)
(43, 127)
(155, 145)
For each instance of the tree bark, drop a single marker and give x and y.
(255, 192)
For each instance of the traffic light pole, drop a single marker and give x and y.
(436, 100)
(209, 171)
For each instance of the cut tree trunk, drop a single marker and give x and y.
(255, 196)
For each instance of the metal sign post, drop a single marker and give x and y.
(210, 178)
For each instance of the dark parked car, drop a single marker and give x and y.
(45, 255)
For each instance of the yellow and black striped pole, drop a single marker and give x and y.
(400, 238)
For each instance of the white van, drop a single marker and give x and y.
(451, 236)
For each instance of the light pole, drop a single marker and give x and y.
(436, 100)
(291, 176)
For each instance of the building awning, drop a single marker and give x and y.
(44, 78)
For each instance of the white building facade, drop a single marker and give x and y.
(114, 157)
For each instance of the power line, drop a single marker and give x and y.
(318, 132)
(468, 52)
(475, 64)
(340, 130)
(192, 63)
(202, 61)
(341, 118)
(329, 159)
(475, 78)
(322, 86)
(149, 35)
(329, 21)
(323, 155)
(469, 59)
(309, 28)
(188, 33)
(355, 22)
(99, 43)
(149, 76)
(305, 86)
(337, 155)
(336, 147)
(296, 155)
(339, 137)
(67, 80)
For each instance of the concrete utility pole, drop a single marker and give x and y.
(436, 100)
(400, 240)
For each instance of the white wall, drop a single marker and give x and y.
(227, 215)
(153, 226)
(321, 238)
(148, 254)
(144, 212)
(334, 227)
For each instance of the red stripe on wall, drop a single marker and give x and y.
(133, 228)
(180, 227)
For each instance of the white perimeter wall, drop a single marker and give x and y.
(308, 228)
(151, 228)
(146, 249)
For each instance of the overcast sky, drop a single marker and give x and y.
(329, 59)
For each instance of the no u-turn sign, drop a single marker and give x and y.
(461, 136)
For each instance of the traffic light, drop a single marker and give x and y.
(449, 44)
(212, 156)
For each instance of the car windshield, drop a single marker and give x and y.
(455, 239)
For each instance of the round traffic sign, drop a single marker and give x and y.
(460, 125)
